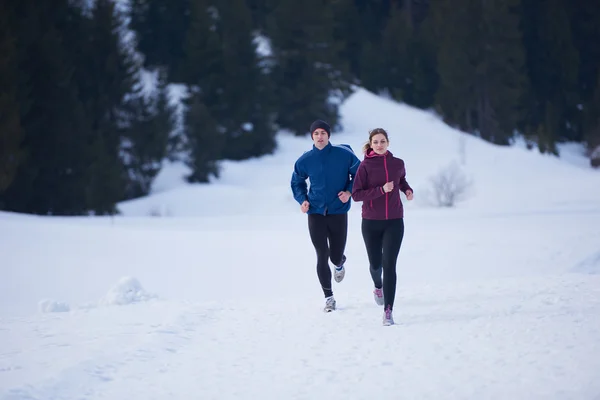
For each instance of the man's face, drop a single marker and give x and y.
(320, 138)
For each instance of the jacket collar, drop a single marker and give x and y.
(371, 154)
(324, 150)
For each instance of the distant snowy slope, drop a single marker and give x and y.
(503, 178)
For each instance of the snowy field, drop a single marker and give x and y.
(210, 291)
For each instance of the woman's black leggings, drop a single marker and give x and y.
(383, 239)
(328, 234)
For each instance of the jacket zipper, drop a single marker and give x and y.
(386, 180)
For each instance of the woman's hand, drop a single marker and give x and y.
(409, 194)
(388, 187)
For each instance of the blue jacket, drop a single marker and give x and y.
(330, 171)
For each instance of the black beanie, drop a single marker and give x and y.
(320, 124)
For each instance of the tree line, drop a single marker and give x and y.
(79, 131)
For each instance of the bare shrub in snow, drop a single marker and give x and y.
(159, 211)
(449, 186)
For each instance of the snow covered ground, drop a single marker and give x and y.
(210, 291)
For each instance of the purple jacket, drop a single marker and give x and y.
(372, 174)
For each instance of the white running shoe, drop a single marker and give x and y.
(329, 304)
(340, 271)
(378, 295)
(387, 317)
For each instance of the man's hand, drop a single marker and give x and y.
(304, 206)
(344, 196)
(409, 194)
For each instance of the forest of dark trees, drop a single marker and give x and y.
(80, 132)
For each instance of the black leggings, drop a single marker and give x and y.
(332, 227)
(383, 239)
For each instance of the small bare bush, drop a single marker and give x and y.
(449, 186)
(159, 211)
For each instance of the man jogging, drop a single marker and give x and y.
(331, 170)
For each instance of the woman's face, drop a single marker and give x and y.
(379, 143)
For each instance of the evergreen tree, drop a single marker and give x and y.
(221, 61)
(552, 64)
(161, 27)
(202, 61)
(592, 125)
(585, 30)
(424, 75)
(202, 71)
(373, 22)
(52, 176)
(147, 139)
(244, 107)
(205, 142)
(416, 11)
(374, 14)
(457, 59)
(10, 122)
(394, 64)
(503, 79)
(109, 62)
(481, 66)
(307, 74)
(349, 35)
(260, 10)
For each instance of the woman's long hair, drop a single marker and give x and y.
(376, 131)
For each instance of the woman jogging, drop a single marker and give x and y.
(379, 180)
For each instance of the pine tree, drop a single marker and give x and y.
(111, 67)
(201, 59)
(148, 131)
(205, 142)
(592, 125)
(221, 61)
(245, 106)
(161, 27)
(394, 64)
(552, 64)
(585, 30)
(52, 176)
(503, 80)
(202, 72)
(307, 74)
(424, 75)
(457, 58)
(11, 133)
(481, 66)
(374, 15)
(349, 35)
(260, 10)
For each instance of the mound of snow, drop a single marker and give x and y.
(127, 290)
(53, 306)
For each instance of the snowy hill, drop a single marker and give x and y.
(504, 179)
(498, 297)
